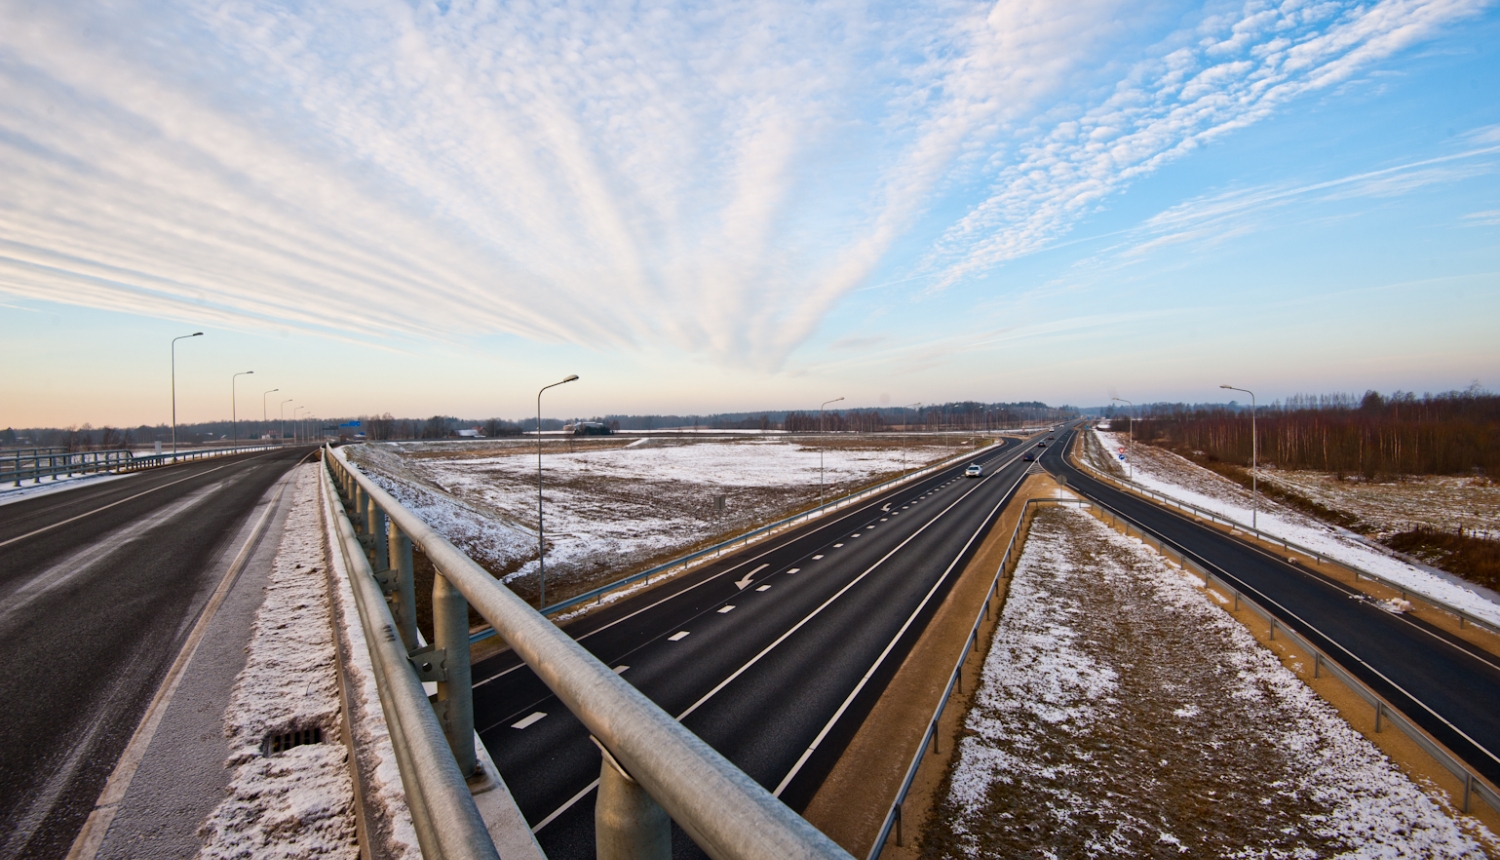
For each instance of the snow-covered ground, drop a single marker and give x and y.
(1441, 502)
(615, 504)
(1185, 481)
(1122, 714)
(29, 489)
(297, 803)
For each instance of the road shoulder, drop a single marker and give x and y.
(852, 803)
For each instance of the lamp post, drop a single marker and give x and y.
(296, 425)
(1131, 443)
(263, 422)
(821, 446)
(174, 389)
(905, 432)
(1254, 500)
(541, 544)
(281, 426)
(234, 408)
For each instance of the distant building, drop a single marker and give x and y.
(469, 433)
(590, 428)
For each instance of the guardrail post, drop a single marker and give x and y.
(628, 823)
(455, 694)
(380, 552)
(404, 595)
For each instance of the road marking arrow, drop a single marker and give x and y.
(886, 507)
(741, 583)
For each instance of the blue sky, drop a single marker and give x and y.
(423, 208)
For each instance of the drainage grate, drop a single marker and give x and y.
(280, 742)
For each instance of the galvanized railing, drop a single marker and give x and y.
(651, 766)
(955, 680)
(1463, 615)
(34, 464)
(1474, 785)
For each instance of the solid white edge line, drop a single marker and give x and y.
(565, 807)
(91, 838)
(122, 501)
(784, 636)
(837, 715)
(766, 551)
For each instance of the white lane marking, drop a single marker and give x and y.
(722, 610)
(744, 581)
(124, 500)
(840, 593)
(565, 807)
(883, 519)
(794, 570)
(619, 670)
(837, 545)
(856, 534)
(764, 588)
(535, 715)
(816, 557)
(91, 837)
(79, 563)
(678, 636)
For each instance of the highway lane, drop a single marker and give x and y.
(98, 587)
(765, 655)
(1448, 687)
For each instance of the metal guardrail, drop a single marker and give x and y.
(955, 679)
(651, 766)
(1474, 785)
(747, 538)
(1463, 615)
(34, 464)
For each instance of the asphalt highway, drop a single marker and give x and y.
(773, 656)
(99, 585)
(1447, 686)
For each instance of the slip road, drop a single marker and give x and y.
(1445, 685)
(773, 657)
(98, 587)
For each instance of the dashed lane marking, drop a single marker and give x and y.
(816, 557)
(620, 670)
(678, 636)
(722, 610)
(794, 570)
(527, 721)
(764, 588)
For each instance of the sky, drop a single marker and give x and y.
(438, 208)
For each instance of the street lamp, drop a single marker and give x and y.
(1254, 501)
(541, 545)
(820, 448)
(174, 389)
(1130, 463)
(264, 428)
(281, 426)
(906, 431)
(234, 407)
(296, 425)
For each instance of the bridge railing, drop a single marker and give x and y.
(34, 464)
(651, 767)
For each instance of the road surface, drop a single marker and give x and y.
(99, 585)
(773, 656)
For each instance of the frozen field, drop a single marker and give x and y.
(616, 505)
(1442, 502)
(1174, 476)
(1122, 714)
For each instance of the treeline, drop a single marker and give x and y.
(956, 416)
(1457, 432)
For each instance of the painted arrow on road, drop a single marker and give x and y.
(741, 583)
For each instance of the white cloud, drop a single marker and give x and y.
(710, 178)
(1238, 72)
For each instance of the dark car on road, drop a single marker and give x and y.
(1030, 458)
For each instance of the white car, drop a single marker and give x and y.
(973, 471)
